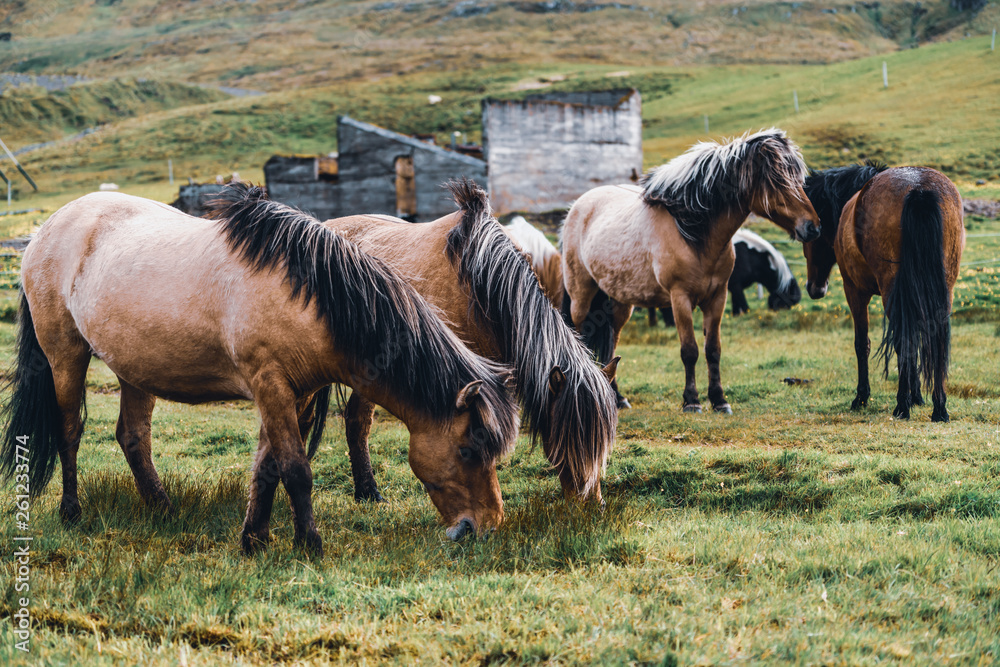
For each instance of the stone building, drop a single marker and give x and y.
(375, 171)
(546, 150)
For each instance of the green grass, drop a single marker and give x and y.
(793, 531)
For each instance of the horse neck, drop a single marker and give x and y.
(400, 405)
(724, 229)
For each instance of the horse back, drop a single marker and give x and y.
(159, 297)
(873, 220)
(417, 252)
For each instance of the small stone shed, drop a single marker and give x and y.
(546, 150)
(375, 171)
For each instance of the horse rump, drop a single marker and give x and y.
(33, 421)
(917, 326)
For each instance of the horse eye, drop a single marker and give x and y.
(465, 453)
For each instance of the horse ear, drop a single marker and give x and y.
(467, 394)
(509, 382)
(557, 381)
(611, 370)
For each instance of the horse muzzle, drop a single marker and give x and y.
(461, 530)
(816, 291)
(807, 231)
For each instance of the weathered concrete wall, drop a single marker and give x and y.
(192, 198)
(368, 170)
(547, 150)
(295, 181)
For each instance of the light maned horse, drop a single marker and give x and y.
(264, 304)
(756, 261)
(467, 267)
(898, 233)
(545, 259)
(668, 243)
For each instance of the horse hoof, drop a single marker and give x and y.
(372, 496)
(69, 512)
(692, 407)
(858, 404)
(253, 543)
(623, 403)
(901, 413)
(725, 408)
(940, 416)
(312, 543)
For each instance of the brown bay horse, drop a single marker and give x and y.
(263, 304)
(898, 233)
(668, 243)
(466, 266)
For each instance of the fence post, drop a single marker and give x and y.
(706, 123)
(170, 170)
(795, 99)
(885, 74)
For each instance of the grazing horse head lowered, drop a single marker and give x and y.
(263, 304)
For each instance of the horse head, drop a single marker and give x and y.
(456, 458)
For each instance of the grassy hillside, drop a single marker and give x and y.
(940, 109)
(269, 45)
(31, 115)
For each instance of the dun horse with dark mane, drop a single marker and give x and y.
(466, 266)
(897, 233)
(668, 243)
(263, 304)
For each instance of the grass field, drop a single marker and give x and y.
(793, 530)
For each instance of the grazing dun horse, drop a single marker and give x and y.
(262, 304)
(898, 233)
(466, 266)
(669, 243)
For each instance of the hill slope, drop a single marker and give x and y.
(268, 45)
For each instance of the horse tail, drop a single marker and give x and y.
(918, 327)
(33, 420)
(597, 331)
(321, 404)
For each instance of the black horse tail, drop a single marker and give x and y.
(320, 405)
(598, 329)
(33, 420)
(918, 325)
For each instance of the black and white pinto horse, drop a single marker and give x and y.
(757, 261)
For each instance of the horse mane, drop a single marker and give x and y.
(712, 178)
(507, 301)
(778, 260)
(830, 189)
(390, 335)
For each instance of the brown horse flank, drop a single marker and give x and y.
(263, 304)
(465, 265)
(668, 243)
(898, 233)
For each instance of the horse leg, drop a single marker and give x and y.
(713, 350)
(134, 435)
(740, 304)
(279, 416)
(858, 301)
(652, 317)
(681, 306)
(916, 397)
(358, 415)
(668, 316)
(69, 374)
(620, 314)
(263, 484)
